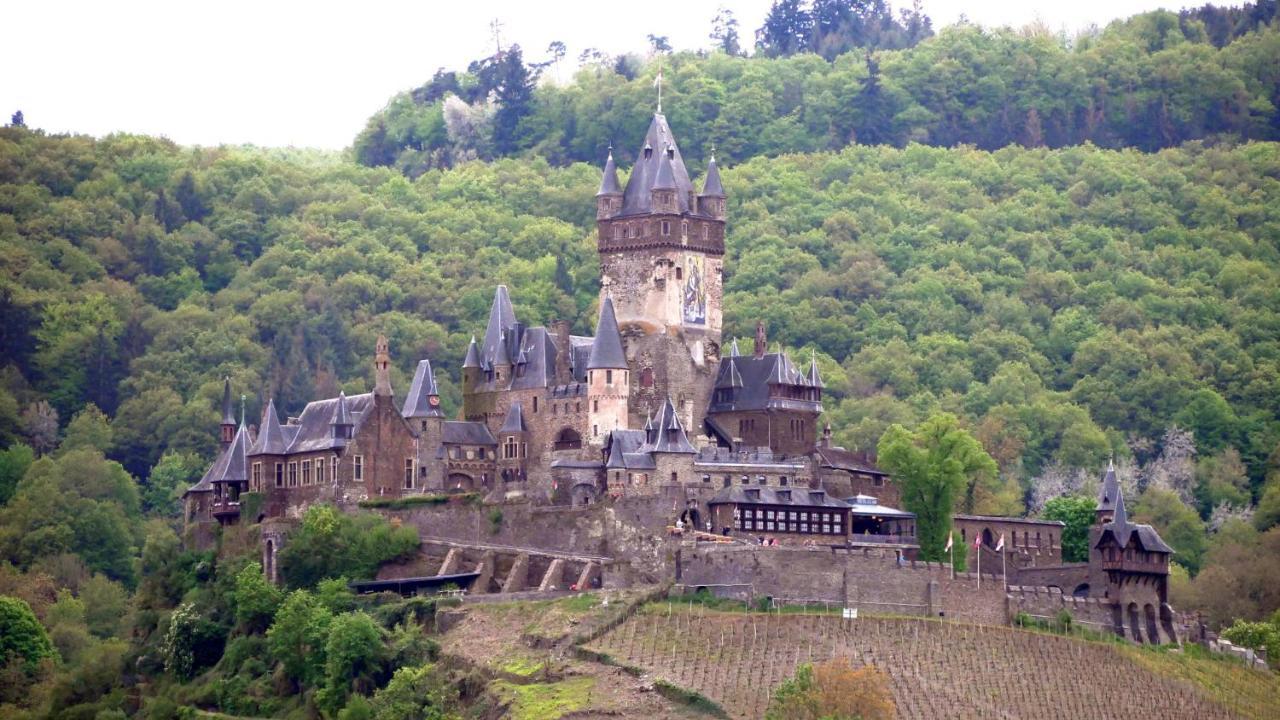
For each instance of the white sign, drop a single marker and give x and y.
(850, 614)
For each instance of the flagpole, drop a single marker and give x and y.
(1004, 567)
(951, 545)
(978, 549)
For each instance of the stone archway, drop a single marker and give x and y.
(988, 538)
(1081, 591)
(584, 494)
(1153, 628)
(460, 482)
(567, 439)
(1135, 623)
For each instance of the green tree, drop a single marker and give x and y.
(1179, 525)
(172, 475)
(353, 659)
(421, 693)
(255, 599)
(13, 465)
(330, 544)
(88, 428)
(21, 634)
(1077, 513)
(935, 466)
(515, 97)
(298, 638)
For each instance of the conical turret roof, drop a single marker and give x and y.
(514, 423)
(418, 403)
(501, 317)
(815, 379)
(711, 186)
(609, 182)
(668, 433)
(637, 198)
(271, 440)
(666, 179)
(473, 355)
(606, 348)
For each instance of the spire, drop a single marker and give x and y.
(1109, 494)
(606, 348)
(666, 179)
(341, 422)
(667, 434)
(382, 367)
(815, 380)
(501, 317)
(711, 185)
(659, 149)
(1120, 520)
(423, 399)
(228, 413)
(729, 375)
(609, 182)
(473, 355)
(270, 436)
(514, 423)
(733, 349)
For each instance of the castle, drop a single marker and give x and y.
(649, 412)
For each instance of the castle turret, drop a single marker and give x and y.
(608, 378)
(513, 445)
(609, 197)
(497, 354)
(1108, 496)
(471, 367)
(422, 412)
(228, 427)
(712, 200)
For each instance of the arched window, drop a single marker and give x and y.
(567, 439)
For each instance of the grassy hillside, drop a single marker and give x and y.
(938, 670)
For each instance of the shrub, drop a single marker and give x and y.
(21, 634)
(833, 690)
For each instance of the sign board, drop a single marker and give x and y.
(850, 614)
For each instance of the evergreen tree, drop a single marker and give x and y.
(724, 31)
(786, 30)
(515, 100)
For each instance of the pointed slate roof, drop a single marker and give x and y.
(515, 420)
(666, 179)
(815, 379)
(1123, 531)
(711, 186)
(341, 413)
(228, 412)
(606, 349)
(625, 451)
(729, 375)
(758, 374)
(733, 349)
(473, 355)
(609, 182)
(1109, 494)
(501, 317)
(231, 465)
(417, 404)
(271, 438)
(667, 434)
(637, 198)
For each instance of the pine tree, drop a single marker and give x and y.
(515, 100)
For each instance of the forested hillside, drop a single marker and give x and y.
(1155, 80)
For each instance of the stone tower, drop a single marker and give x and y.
(608, 379)
(661, 247)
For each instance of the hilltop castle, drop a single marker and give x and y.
(649, 414)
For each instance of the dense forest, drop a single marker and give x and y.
(1107, 286)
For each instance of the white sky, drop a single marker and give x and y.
(279, 73)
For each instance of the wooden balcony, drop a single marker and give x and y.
(1150, 567)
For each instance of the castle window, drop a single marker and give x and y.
(510, 448)
(608, 377)
(666, 227)
(535, 404)
(705, 233)
(257, 477)
(424, 426)
(480, 453)
(595, 406)
(674, 477)
(293, 474)
(684, 228)
(595, 431)
(306, 472)
(878, 481)
(408, 473)
(617, 232)
(333, 470)
(646, 377)
(679, 273)
(357, 468)
(783, 481)
(279, 474)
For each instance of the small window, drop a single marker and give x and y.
(293, 474)
(408, 473)
(306, 472)
(608, 379)
(357, 468)
(617, 232)
(535, 404)
(666, 227)
(257, 476)
(679, 273)
(684, 228)
(674, 477)
(595, 431)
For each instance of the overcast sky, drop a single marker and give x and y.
(276, 73)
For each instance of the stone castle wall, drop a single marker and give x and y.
(872, 580)
(1046, 603)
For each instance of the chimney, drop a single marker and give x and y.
(761, 339)
(560, 331)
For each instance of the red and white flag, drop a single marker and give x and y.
(1000, 544)
(951, 536)
(977, 541)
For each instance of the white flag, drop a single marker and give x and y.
(951, 536)
(1000, 544)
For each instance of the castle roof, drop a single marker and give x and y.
(798, 497)
(271, 438)
(417, 404)
(231, 464)
(609, 181)
(645, 174)
(841, 459)
(606, 349)
(1123, 532)
(624, 451)
(757, 375)
(314, 427)
(473, 355)
(515, 420)
(667, 434)
(815, 378)
(458, 432)
(502, 317)
(1109, 494)
(711, 185)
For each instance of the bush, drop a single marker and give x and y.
(833, 689)
(332, 544)
(21, 634)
